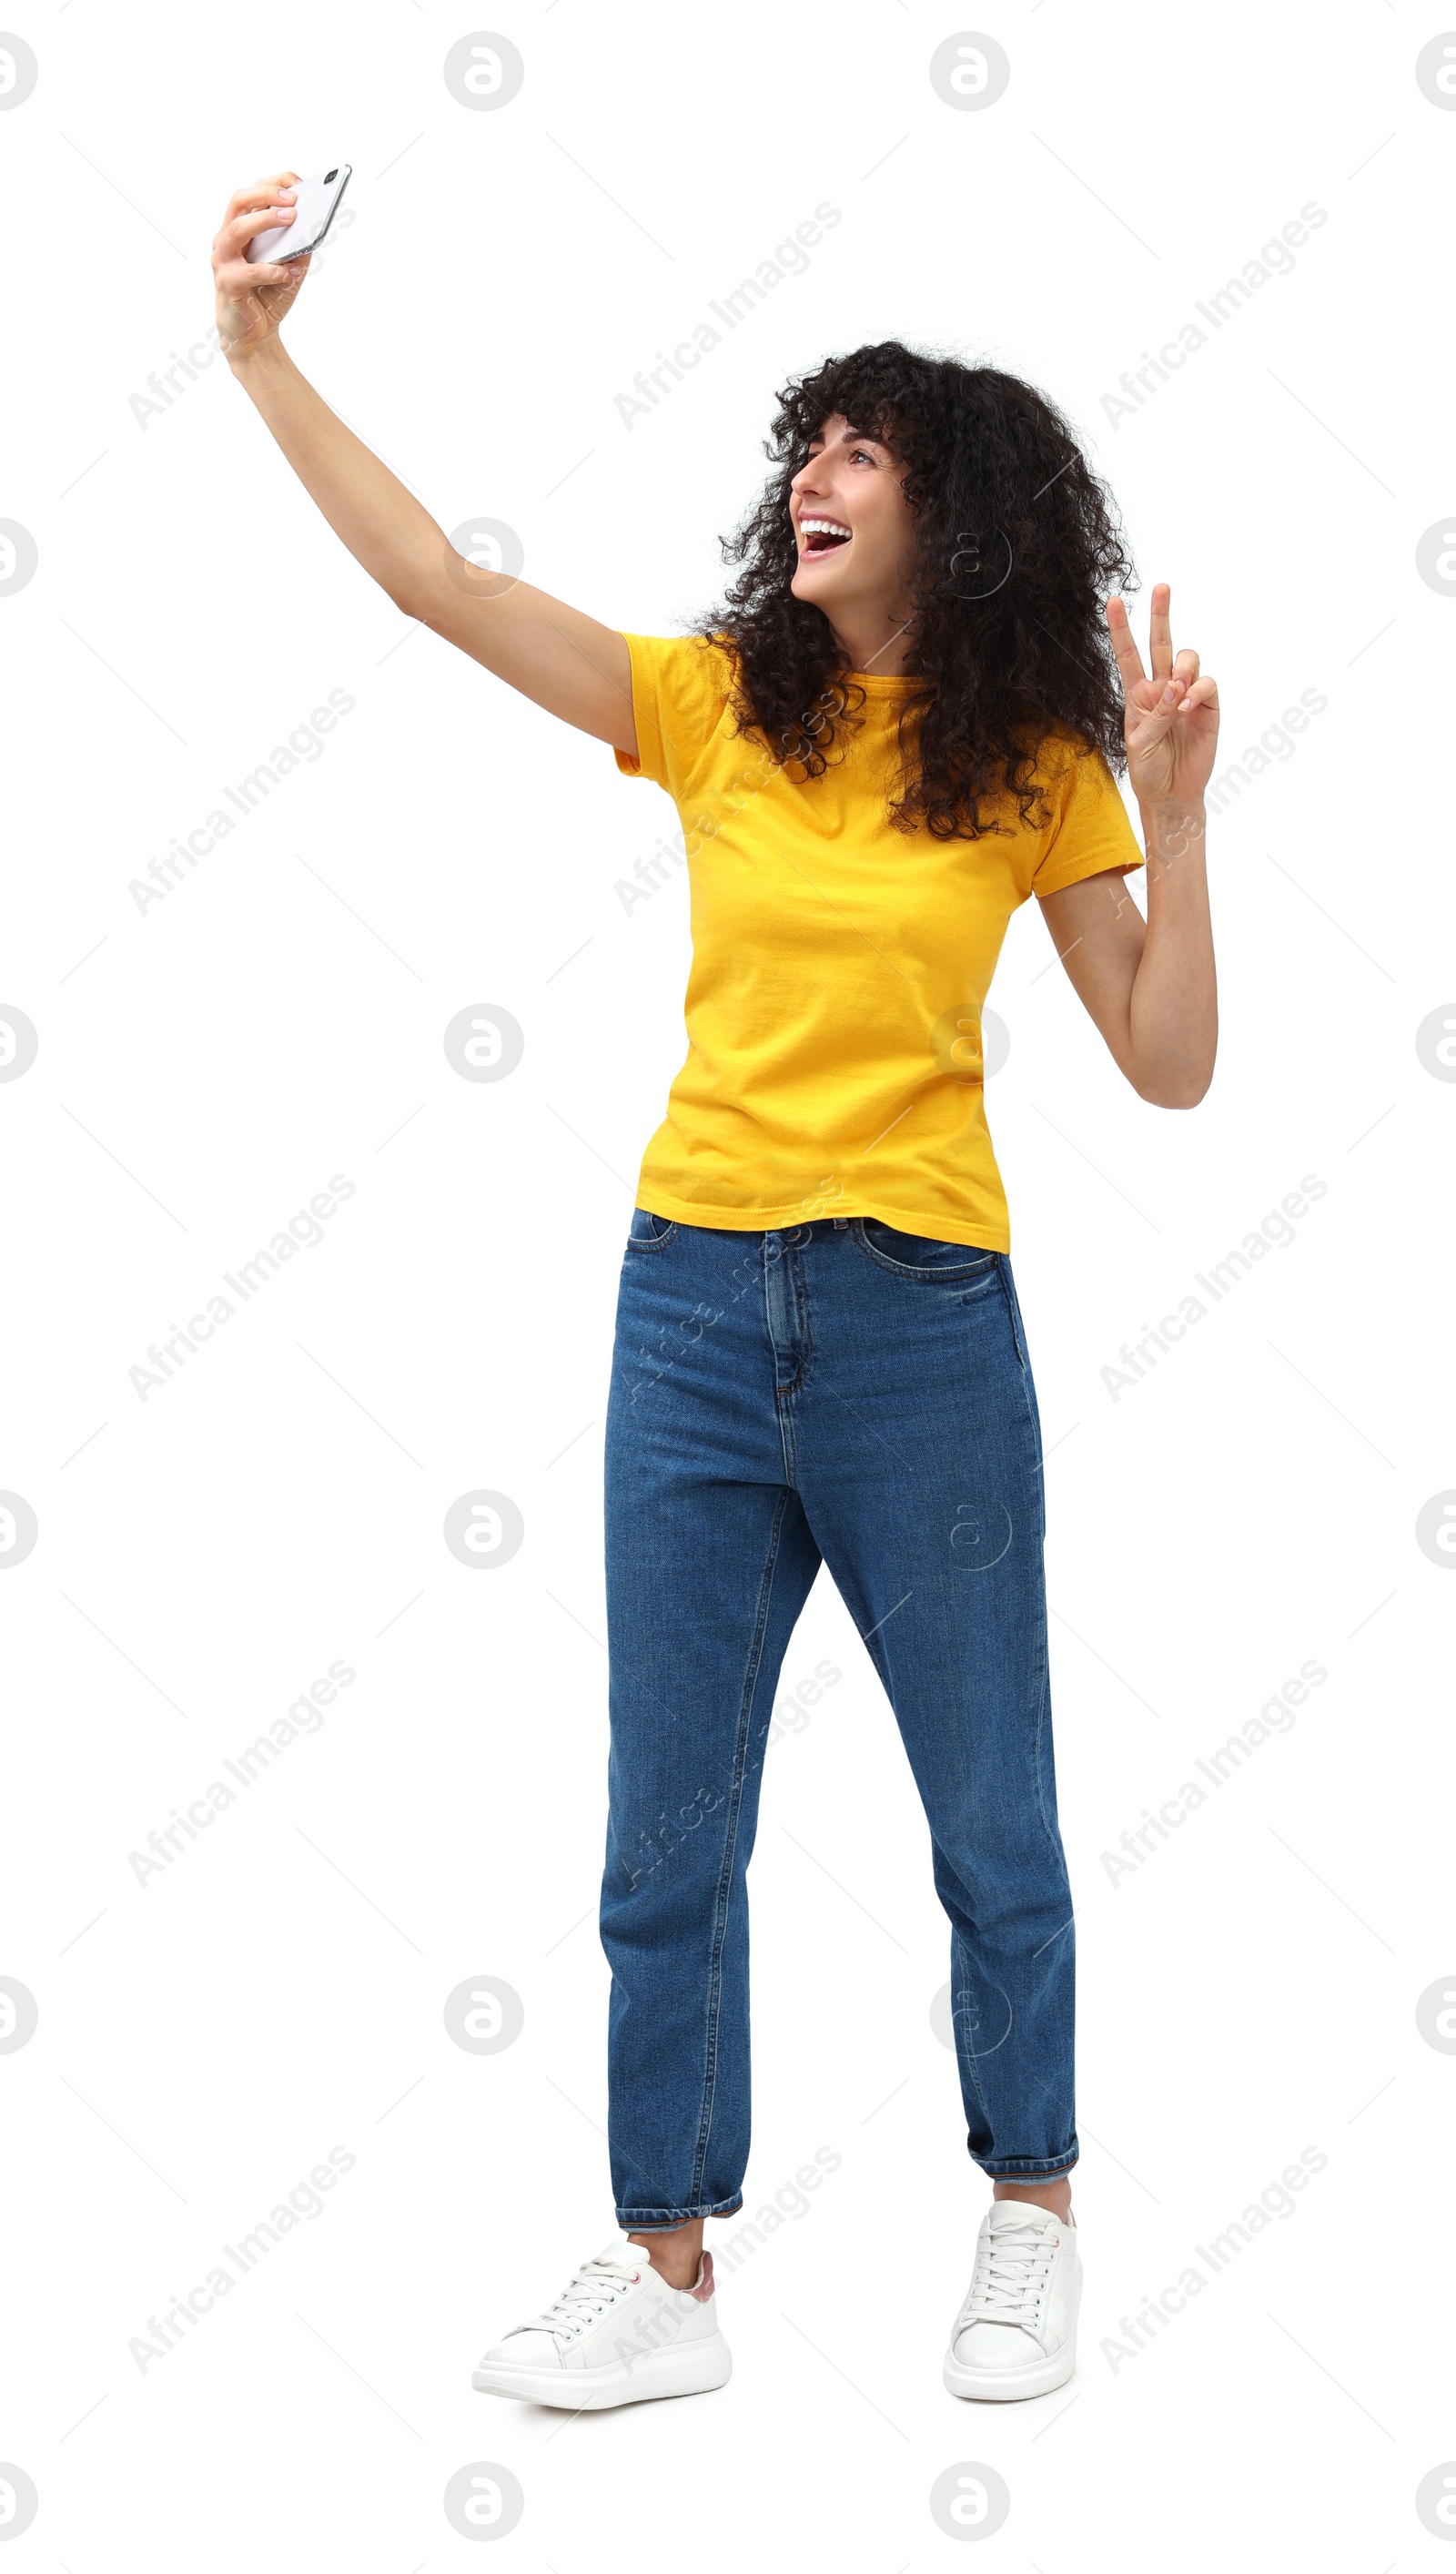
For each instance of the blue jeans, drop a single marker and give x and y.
(841, 1393)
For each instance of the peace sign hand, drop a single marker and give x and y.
(1170, 720)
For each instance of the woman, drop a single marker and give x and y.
(901, 727)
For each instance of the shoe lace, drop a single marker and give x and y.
(588, 2293)
(1011, 2266)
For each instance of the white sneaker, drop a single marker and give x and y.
(1017, 2333)
(615, 2335)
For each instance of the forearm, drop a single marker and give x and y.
(385, 527)
(1173, 1011)
(567, 662)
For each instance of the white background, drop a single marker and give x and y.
(207, 1064)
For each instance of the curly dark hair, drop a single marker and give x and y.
(1018, 546)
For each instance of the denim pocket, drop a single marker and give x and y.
(648, 1232)
(920, 1255)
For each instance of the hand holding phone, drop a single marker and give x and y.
(316, 202)
(257, 285)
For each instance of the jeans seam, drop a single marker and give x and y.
(958, 1277)
(647, 2218)
(657, 1241)
(1052, 1834)
(1023, 1355)
(802, 1306)
(1047, 2169)
(968, 2056)
(1028, 1386)
(730, 1844)
(784, 1394)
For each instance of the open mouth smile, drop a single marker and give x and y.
(823, 536)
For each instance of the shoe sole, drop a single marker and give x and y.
(693, 2372)
(1010, 2385)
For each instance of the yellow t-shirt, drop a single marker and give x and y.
(839, 965)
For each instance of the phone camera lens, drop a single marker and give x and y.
(328, 174)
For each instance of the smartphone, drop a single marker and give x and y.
(315, 207)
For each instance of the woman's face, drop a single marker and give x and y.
(856, 534)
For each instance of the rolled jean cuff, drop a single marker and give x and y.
(661, 2220)
(1005, 2167)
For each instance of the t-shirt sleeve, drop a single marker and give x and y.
(1089, 830)
(680, 687)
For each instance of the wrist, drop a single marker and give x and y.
(1158, 811)
(247, 357)
(1172, 827)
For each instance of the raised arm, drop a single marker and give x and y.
(1149, 986)
(576, 668)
